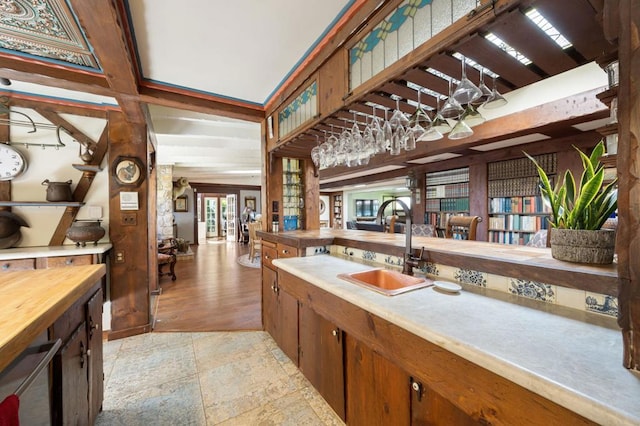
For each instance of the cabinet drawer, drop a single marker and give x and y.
(17, 265)
(62, 261)
(286, 251)
(268, 254)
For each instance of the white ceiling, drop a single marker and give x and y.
(237, 49)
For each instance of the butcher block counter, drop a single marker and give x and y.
(33, 300)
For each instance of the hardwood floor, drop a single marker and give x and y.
(212, 292)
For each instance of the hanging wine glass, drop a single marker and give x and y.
(451, 107)
(315, 153)
(486, 92)
(496, 100)
(419, 122)
(398, 118)
(460, 130)
(397, 141)
(466, 91)
(376, 129)
(471, 116)
(368, 143)
(327, 151)
(387, 133)
(440, 123)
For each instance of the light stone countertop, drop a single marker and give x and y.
(51, 251)
(574, 363)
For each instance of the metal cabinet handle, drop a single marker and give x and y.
(69, 261)
(417, 388)
(285, 251)
(6, 266)
(336, 333)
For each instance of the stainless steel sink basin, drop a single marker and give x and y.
(386, 281)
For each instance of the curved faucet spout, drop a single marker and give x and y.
(408, 253)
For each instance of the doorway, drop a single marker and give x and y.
(218, 218)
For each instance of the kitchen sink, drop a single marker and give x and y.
(385, 281)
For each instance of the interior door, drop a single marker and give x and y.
(211, 216)
(231, 217)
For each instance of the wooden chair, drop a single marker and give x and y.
(254, 240)
(390, 224)
(462, 227)
(167, 250)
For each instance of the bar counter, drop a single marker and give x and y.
(527, 263)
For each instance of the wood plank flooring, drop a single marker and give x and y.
(212, 292)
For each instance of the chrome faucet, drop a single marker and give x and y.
(409, 260)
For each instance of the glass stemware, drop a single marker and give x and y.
(496, 100)
(315, 153)
(387, 132)
(376, 129)
(451, 107)
(486, 92)
(471, 116)
(398, 118)
(460, 130)
(466, 91)
(439, 123)
(419, 121)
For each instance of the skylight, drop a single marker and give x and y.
(474, 64)
(507, 48)
(549, 29)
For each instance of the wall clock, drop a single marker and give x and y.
(12, 162)
(128, 171)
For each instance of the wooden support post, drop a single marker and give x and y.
(628, 242)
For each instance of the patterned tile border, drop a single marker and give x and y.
(542, 292)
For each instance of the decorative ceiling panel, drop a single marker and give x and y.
(45, 28)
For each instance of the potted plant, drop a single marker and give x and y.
(579, 209)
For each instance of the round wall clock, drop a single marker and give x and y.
(12, 162)
(128, 171)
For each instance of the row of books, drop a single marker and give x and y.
(448, 176)
(520, 167)
(516, 222)
(448, 204)
(528, 204)
(439, 220)
(506, 237)
(449, 190)
(514, 187)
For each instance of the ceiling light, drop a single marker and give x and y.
(549, 29)
(507, 48)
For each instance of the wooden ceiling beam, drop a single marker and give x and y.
(165, 97)
(104, 30)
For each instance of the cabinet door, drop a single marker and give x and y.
(321, 357)
(95, 354)
(377, 390)
(71, 405)
(287, 324)
(269, 300)
(430, 408)
(63, 261)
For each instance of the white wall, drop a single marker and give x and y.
(56, 166)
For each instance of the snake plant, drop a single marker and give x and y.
(586, 204)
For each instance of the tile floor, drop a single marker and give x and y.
(214, 378)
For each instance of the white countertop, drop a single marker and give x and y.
(50, 251)
(576, 364)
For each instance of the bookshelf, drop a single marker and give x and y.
(516, 210)
(337, 211)
(293, 194)
(446, 195)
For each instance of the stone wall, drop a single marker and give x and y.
(165, 201)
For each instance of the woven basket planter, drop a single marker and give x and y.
(583, 246)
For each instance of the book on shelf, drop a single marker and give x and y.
(447, 176)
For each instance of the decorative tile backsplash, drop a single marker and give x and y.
(542, 292)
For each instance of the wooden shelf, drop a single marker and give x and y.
(607, 96)
(42, 203)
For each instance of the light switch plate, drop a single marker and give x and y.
(95, 212)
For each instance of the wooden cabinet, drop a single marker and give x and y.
(430, 408)
(63, 261)
(280, 309)
(47, 262)
(321, 357)
(17, 265)
(377, 390)
(78, 383)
